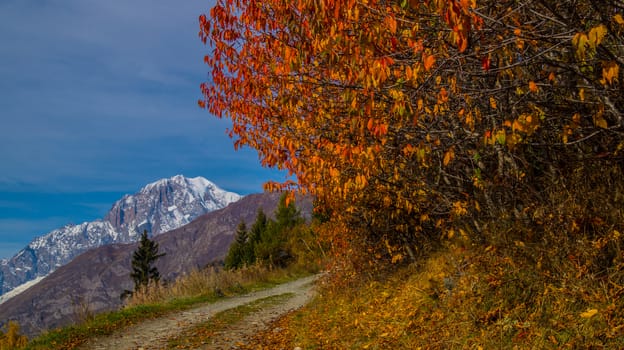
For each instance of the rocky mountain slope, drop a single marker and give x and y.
(158, 207)
(96, 278)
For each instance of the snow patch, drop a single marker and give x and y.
(172, 208)
(17, 290)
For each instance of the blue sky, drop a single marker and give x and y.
(97, 99)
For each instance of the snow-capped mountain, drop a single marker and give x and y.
(159, 207)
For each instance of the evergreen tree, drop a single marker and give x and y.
(143, 259)
(272, 247)
(259, 226)
(237, 256)
(287, 216)
(267, 241)
(241, 234)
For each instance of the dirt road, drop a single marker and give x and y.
(153, 334)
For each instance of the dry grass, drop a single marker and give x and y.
(212, 283)
(471, 297)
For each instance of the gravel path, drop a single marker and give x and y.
(153, 334)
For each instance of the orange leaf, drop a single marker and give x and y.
(551, 76)
(448, 156)
(428, 61)
(370, 124)
(492, 102)
(392, 24)
(532, 86)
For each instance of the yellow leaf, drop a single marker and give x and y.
(492, 102)
(618, 19)
(580, 41)
(589, 313)
(610, 72)
(600, 122)
(582, 94)
(397, 257)
(596, 35)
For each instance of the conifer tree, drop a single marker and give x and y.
(258, 227)
(143, 259)
(287, 215)
(237, 256)
(272, 245)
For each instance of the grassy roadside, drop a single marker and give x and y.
(199, 287)
(502, 295)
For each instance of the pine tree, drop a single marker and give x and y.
(287, 216)
(236, 256)
(258, 227)
(272, 245)
(143, 259)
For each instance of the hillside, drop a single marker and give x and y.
(94, 281)
(501, 295)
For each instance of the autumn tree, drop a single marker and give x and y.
(11, 338)
(414, 120)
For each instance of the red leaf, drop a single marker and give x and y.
(485, 63)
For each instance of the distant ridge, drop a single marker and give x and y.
(158, 207)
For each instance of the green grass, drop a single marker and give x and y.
(201, 333)
(107, 323)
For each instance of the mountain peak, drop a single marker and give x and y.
(158, 207)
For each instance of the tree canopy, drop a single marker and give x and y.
(414, 120)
